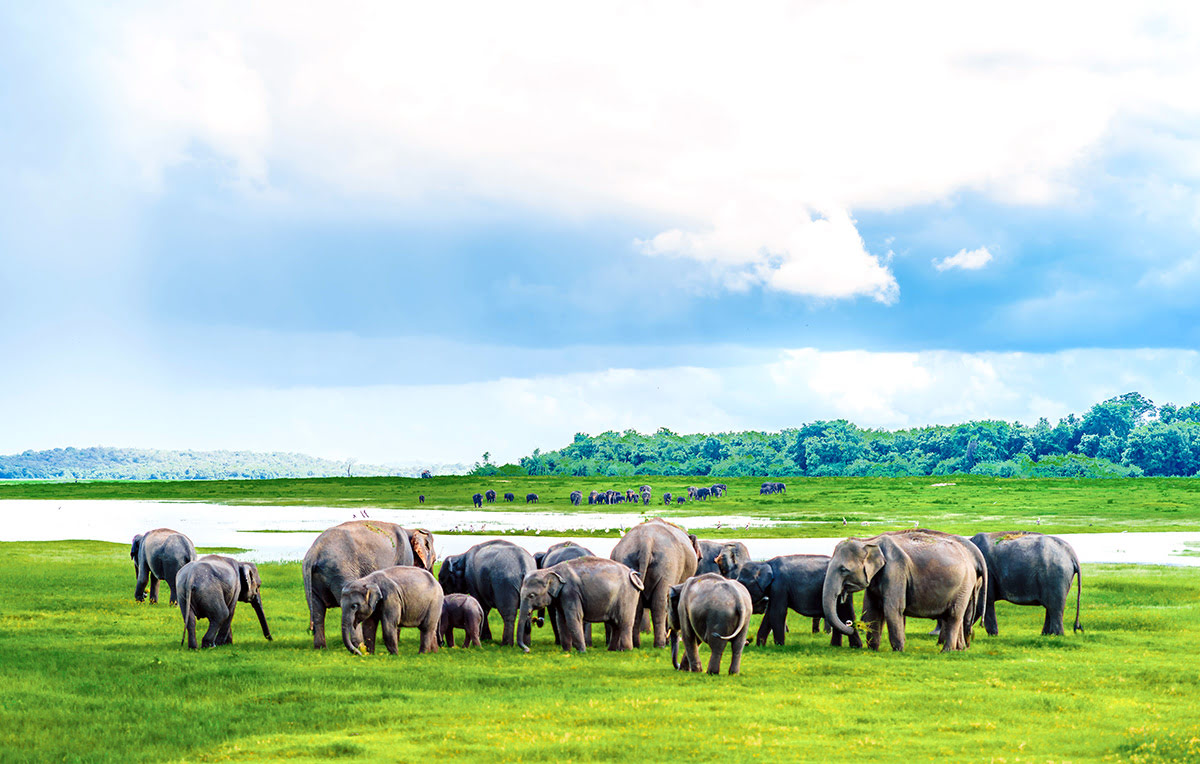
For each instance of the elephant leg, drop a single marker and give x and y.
(738, 644)
(816, 624)
(989, 614)
(658, 613)
(691, 649)
(508, 639)
(716, 649)
(143, 578)
(316, 615)
(873, 617)
(1053, 625)
(153, 589)
(429, 634)
(486, 628)
(218, 616)
(777, 611)
(764, 628)
(637, 624)
(189, 624)
(587, 634)
(369, 626)
(471, 633)
(553, 615)
(952, 631)
(895, 626)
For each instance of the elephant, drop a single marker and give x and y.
(157, 556)
(710, 609)
(477, 500)
(509, 497)
(350, 551)
(691, 491)
(920, 573)
(561, 552)
(421, 498)
(584, 589)
(460, 611)
(391, 598)
(1030, 569)
(664, 554)
(593, 496)
(644, 489)
(702, 494)
(490, 495)
(719, 489)
(667, 499)
(645, 498)
(795, 582)
(680, 500)
(210, 588)
(769, 488)
(576, 497)
(722, 558)
(492, 573)
(531, 498)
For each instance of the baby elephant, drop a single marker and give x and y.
(712, 609)
(393, 597)
(210, 588)
(585, 589)
(460, 611)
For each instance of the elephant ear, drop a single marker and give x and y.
(764, 577)
(374, 594)
(696, 545)
(874, 560)
(137, 543)
(422, 547)
(247, 574)
(554, 583)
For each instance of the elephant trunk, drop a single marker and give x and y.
(256, 603)
(541, 617)
(523, 626)
(351, 632)
(829, 597)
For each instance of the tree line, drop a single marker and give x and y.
(1125, 436)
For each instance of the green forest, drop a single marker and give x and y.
(1125, 436)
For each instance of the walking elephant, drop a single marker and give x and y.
(792, 582)
(477, 500)
(1030, 569)
(210, 588)
(583, 590)
(667, 499)
(713, 610)
(492, 573)
(460, 611)
(490, 495)
(157, 556)
(391, 599)
(665, 555)
(919, 573)
(576, 497)
(531, 498)
(349, 551)
(723, 558)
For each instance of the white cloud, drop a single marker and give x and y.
(967, 261)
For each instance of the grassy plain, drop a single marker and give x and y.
(816, 506)
(89, 675)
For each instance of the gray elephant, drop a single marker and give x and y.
(645, 498)
(492, 573)
(667, 499)
(477, 500)
(531, 498)
(593, 496)
(490, 495)
(665, 555)
(460, 611)
(350, 551)
(1030, 569)
(157, 556)
(561, 552)
(510, 497)
(585, 589)
(792, 582)
(210, 588)
(710, 609)
(576, 497)
(722, 557)
(917, 573)
(390, 599)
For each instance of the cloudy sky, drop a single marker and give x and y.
(416, 232)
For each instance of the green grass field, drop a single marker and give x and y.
(819, 504)
(89, 675)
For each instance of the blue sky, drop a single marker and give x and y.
(405, 237)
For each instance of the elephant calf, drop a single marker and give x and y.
(585, 589)
(158, 555)
(460, 611)
(210, 588)
(391, 598)
(711, 609)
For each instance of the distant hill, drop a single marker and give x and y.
(103, 463)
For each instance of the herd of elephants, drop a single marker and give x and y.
(381, 575)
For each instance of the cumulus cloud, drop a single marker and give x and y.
(964, 260)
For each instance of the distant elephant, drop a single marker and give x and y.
(585, 589)
(720, 489)
(667, 499)
(477, 499)
(1030, 569)
(702, 494)
(723, 558)
(680, 500)
(491, 496)
(644, 489)
(531, 498)
(460, 611)
(509, 497)
(664, 554)
(795, 582)
(645, 498)
(157, 556)
(421, 498)
(713, 610)
(917, 573)
(691, 491)
(576, 497)
(350, 551)
(390, 599)
(492, 573)
(593, 496)
(210, 588)
(561, 552)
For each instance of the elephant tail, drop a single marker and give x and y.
(1078, 590)
(185, 607)
(741, 625)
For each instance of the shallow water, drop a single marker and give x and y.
(218, 525)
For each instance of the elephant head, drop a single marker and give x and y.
(538, 591)
(757, 578)
(673, 622)
(854, 564)
(422, 547)
(359, 599)
(251, 586)
(452, 576)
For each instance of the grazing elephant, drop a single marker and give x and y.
(917, 573)
(664, 554)
(490, 495)
(509, 497)
(585, 589)
(561, 552)
(1030, 569)
(680, 500)
(477, 499)
(210, 588)
(391, 598)
(723, 558)
(667, 499)
(713, 610)
(492, 573)
(796, 582)
(531, 498)
(157, 556)
(460, 611)
(350, 551)
(576, 497)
